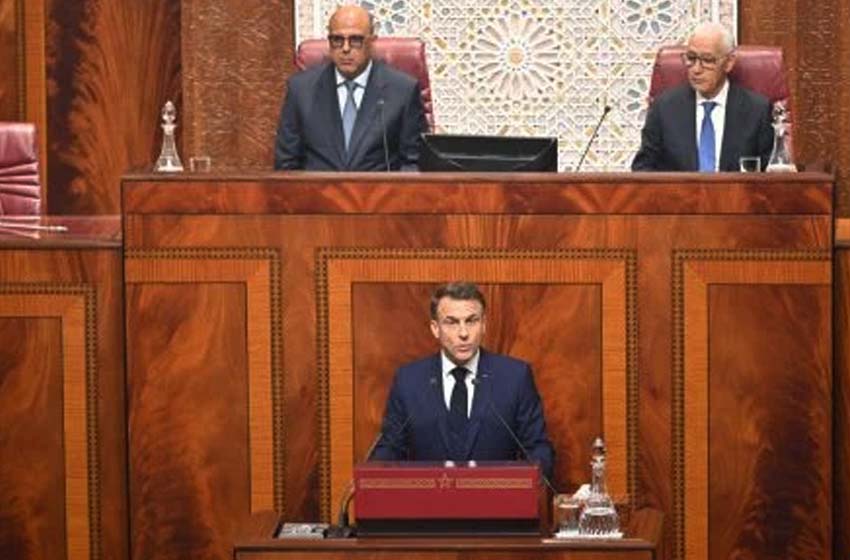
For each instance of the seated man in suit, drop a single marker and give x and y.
(708, 123)
(351, 114)
(448, 405)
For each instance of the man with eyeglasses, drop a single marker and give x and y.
(464, 403)
(709, 123)
(353, 113)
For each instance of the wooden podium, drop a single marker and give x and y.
(685, 317)
(642, 542)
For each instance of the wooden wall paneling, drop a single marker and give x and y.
(111, 65)
(347, 378)
(62, 388)
(745, 425)
(236, 56)
(202, 328)
(817, 46)
(11, 58)
(383, 253)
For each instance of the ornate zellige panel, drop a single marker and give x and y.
(259, 270)
(75, 305)
(337, 269)
(523, 67)
(693, 273)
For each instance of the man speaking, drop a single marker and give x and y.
(452, 405)
(353, 113)
(709, 123)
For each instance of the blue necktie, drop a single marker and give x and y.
(349, 112)
(707, 144)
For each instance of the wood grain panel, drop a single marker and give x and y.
(338, 271)
(11, 20)
(699, 397)
(361, 218)
(215, 317)
(764, 464)
(814, 38)
(111, 65)
(841, 401)
(74, 310)
(236, 56)
(31, 401)
(63, 391)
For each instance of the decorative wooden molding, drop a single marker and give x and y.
(34, 85)
(614, 270)
(259, 270)
(694, 271)
(76, 307)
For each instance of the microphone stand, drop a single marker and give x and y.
(384, 134)
(605, 112)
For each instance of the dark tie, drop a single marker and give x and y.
(349, 111)
(458, 419)
(707, 144)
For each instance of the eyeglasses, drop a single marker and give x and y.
(709, 62)
(354, 41)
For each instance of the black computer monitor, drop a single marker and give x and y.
(449, 152)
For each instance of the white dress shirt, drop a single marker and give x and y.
(449, 380)
(342, 92)
(718, 119)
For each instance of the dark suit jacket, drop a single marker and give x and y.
(309, 135)
(668, 139)
(416, 418)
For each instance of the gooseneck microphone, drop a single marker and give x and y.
(342, 530)
(384, 133)
(593, 136)
(478, 382)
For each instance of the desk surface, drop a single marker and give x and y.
(643, 536)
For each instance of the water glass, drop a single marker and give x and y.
(749, 164)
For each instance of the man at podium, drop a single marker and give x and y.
(464, 403)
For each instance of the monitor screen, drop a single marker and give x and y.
(448, 152)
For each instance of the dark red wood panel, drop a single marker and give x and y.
(110, 68)
(769, 421)
(188, 423)
(31, 410)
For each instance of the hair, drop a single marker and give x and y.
(463, 291)
(727, 40)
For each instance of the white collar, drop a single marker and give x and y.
(471, 365)
(361, 79)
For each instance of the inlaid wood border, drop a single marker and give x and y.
(694, 271)
(75, 306)
(337, 269)
(259, 270)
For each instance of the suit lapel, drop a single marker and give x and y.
(727, 148)
(438, 401)
(366, 116)
(690, 129)
(330, 116)
(482, 396)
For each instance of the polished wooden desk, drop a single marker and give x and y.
(687, 317)
(63, 484)
(642, 541)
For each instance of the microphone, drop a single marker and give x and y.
(384, 133)
(342, 530)
(478, 382)
(605, 112)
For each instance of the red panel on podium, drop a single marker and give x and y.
(447, 498)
